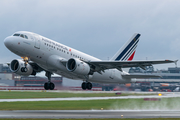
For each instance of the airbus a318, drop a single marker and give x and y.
(39, 53)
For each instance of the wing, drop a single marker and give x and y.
(103, 65)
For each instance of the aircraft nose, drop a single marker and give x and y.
(7, 42)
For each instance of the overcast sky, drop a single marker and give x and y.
(97, 27)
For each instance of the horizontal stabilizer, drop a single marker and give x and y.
(140, 76)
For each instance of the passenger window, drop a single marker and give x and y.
(16, 34)
(22, 35)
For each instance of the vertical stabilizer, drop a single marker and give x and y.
(126, 53)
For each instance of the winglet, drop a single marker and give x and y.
(176, 62)
(126, 53)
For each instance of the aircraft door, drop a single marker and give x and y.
(37, 42)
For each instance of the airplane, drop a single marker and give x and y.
(39, 53)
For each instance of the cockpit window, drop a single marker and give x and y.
(22, 35)
(16, 34)
(26, 36)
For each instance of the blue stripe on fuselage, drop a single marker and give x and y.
(127, 48)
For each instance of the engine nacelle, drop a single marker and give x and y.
(17, 66)
(77, 66)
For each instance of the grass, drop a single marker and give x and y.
(42, 94)
(55, 105)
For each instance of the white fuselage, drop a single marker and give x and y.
(47, 53)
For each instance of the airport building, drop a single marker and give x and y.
(6, 76)
(36, 81)
(167, 75)
(169, 80)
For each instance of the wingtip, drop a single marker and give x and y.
(176, 60)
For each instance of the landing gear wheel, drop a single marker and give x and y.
(24, 69)
(86, 85)
(83, 85)
(46, 86)
(51, 86)
(89, 86)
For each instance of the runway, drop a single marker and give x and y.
(88, 114)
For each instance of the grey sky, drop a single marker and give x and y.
(97, 27)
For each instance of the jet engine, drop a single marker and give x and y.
(18, 66)
(77, 66)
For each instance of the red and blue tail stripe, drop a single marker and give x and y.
(128, 50)
(129, 53)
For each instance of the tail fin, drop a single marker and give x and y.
(126, 53)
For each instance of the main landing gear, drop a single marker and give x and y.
(49, 85)
(86, 85)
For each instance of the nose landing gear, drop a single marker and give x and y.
(26, 60)
(24, 69)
